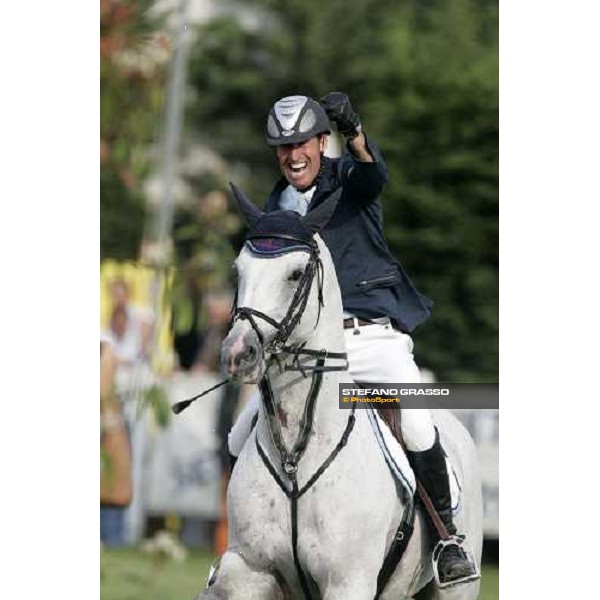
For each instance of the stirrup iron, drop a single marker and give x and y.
(453, 540)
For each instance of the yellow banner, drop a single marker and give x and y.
(148, 289)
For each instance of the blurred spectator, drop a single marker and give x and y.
(131, 327)
(205, 238)
(205, 235)
(217, 305)
(115, 473)
(107, 368)
(218, 312)
(130, 333)
(186, 310)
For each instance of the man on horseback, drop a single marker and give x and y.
(381, 305)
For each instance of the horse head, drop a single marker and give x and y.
(280, 273)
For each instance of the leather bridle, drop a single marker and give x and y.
(284, 328)
(286, 477)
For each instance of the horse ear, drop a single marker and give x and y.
(317, 218)
(250, 212)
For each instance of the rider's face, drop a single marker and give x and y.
(300, 163)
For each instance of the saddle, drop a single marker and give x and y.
(392, 418)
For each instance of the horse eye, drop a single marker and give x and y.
(295, 276)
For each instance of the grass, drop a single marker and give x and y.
(131, 575)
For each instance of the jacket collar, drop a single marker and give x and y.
(325, 185)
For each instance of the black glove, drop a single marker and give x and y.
(339, 110)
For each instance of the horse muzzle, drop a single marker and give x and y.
(242, 357)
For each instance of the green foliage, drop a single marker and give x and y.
(132, 77)
(204, 237)
(155, 400)
(121, 217)
(424, 78)
(441, 97)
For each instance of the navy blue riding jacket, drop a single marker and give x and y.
(373, 283)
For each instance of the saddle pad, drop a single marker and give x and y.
(398, 463)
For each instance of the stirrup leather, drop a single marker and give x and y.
(454, 540)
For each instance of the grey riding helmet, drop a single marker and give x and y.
(295, 119)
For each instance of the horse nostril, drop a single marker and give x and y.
(241, 354)
(249, 355)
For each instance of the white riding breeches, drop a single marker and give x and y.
(377, 353)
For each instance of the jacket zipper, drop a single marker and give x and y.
(376, 280)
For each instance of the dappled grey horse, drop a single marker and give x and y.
(312, 505)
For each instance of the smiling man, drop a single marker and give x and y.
(381, 305)
(298, 127)
(300, 162)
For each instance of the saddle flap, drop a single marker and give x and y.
(398, 462)
(394, 455)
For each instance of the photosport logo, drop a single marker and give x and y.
(419, 395)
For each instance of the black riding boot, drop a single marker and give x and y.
(430, 469)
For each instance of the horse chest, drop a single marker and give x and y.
(258, 510)
(261, 519)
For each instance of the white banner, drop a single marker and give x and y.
(483, 426)
(183, 470)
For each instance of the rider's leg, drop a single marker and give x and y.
(242, 427)
(418, 430)
(431, 470)
(379, 353)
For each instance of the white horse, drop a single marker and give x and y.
(348, 516)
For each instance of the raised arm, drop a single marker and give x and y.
(363, 169)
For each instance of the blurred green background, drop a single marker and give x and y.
(423, 75)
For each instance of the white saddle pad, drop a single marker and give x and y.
(398, 463)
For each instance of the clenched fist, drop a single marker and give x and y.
(339, 110)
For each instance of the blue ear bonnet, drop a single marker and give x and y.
(279, 232)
